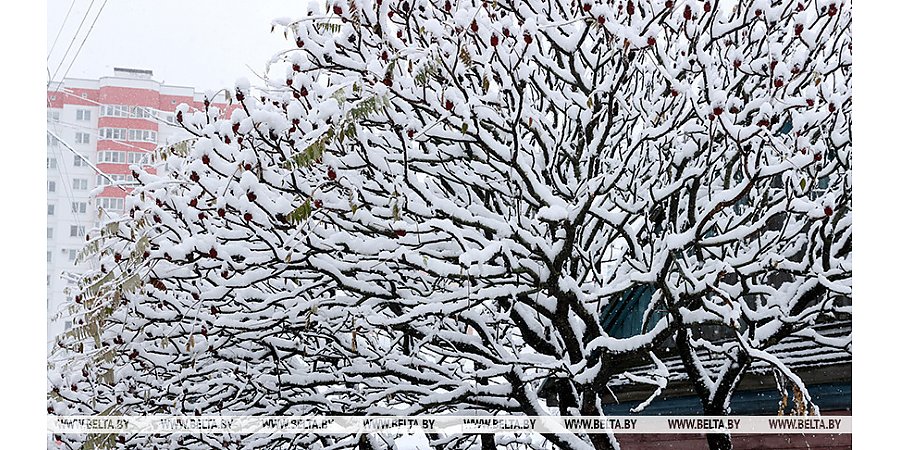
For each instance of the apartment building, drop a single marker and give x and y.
(97, 129)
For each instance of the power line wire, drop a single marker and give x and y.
(58, 34)
(71, 43)
(85, 39)
(154, 116)
(92, 129)
(85, 160)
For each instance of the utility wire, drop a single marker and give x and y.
(85, 39)
(71, 43)
(155, 116)
(86, 161)
(91, 129)
(58, 33)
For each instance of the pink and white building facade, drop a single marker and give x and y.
(113, 122)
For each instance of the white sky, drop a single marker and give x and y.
(206, 44)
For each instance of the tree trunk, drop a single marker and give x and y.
(487, 442)
(719, 441)
(590, 408)
(603, 441)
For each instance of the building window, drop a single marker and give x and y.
(76, 231)
(51, 186)
(52, 141)
(138, 158)
(53, 116)
(111, 204)
(114, 133)
(50, 210)
(79, 161)
(72, 254)
(82, 138)
(107, 179)
(79, 184)
(49, 256)
(51, 163)
(84, 95)
(110, 156)
(140, 112)
(142, 135)
(49, 233)
(83, 114)
(114, 111)
(128, 134)
(79, 207)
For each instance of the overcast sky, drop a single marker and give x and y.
(206, 44)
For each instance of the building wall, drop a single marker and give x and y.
(741, 441)
(69, 183)
(77, 114)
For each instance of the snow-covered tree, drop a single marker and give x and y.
(432, 207)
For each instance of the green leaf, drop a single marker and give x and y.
(341, 96)
(132, 283)
(90, 249)
(111, 229)
(345, 129)
(427, 70)
(325, 27)
(94, 288)
(301, 213)
(309, 155)
(465, 56)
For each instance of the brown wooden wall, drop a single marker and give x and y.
(741, 442)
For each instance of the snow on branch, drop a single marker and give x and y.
(497, 207)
